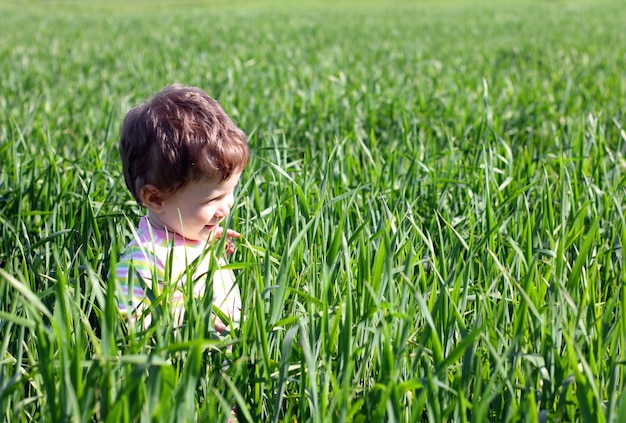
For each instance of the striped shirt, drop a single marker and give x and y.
(165, 263)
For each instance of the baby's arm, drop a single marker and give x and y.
(134, 273)
(226, 296)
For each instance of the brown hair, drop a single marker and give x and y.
(178, 136)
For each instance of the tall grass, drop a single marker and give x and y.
(433, 217)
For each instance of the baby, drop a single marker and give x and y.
(182, 158)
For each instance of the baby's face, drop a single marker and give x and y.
(196, 210)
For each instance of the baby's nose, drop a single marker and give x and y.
(222, 210)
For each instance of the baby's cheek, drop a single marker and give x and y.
(208, 213)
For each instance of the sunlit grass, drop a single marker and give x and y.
(432, 220)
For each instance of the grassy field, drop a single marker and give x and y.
(433, 216)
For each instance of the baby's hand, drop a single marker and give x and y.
(219, 325)
(230, 233)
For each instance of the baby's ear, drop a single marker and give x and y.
(152, 198)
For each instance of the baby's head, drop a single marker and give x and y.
(180, 140)
(179, 136)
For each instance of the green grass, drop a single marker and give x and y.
(433, 216)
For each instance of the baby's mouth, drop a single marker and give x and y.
(211, 227)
